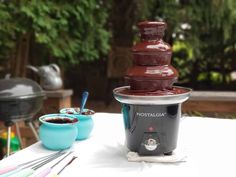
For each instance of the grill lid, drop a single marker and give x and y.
(19, 88)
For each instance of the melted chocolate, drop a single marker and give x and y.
(77, 111)
(61, 120)
(88, 112)
(152, 73)
(151, 56)
(169, 91)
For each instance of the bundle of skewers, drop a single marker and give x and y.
(36, 167)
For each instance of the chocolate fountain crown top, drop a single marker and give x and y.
(152, 30)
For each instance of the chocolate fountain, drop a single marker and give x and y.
(151, 105)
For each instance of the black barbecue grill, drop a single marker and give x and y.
(20, 99)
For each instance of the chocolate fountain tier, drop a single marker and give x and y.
(149, 53)
(149, 85)
(175, 95)
(151, 78)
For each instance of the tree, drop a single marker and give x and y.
(201, 33)
(68, 31)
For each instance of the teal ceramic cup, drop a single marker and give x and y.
(86, 123)
(58, 131)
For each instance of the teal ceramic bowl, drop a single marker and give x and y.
(86, 123)
(58, 131)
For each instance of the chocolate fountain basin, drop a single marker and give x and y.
(151, 119)
(165, 97)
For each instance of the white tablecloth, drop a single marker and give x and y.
(210, 145)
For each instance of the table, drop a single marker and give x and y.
(210, 145)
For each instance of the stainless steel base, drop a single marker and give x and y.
(150, 99)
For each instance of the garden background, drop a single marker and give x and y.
(90, 40)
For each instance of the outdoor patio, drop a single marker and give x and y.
(159, 75)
